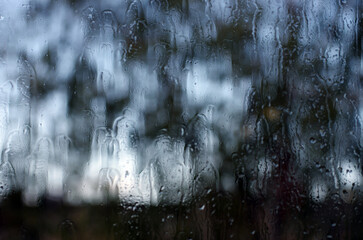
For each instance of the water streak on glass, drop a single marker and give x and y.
(180, 119)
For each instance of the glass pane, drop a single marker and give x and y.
(183, 119)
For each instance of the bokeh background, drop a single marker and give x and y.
(181, 119)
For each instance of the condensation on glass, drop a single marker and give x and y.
(216, 119)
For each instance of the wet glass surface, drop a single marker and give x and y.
(181, 119)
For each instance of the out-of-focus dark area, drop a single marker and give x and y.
(216, 119)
